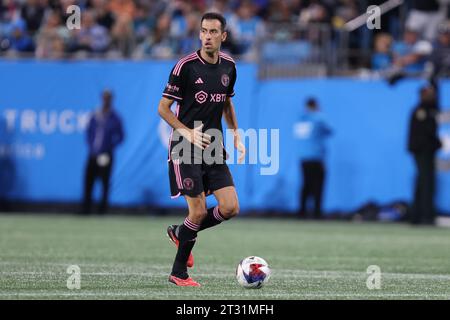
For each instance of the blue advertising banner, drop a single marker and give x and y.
(45, 108)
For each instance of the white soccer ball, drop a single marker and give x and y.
(252, 272)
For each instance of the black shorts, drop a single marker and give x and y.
(193, 179)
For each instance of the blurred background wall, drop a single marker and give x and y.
(45, 107)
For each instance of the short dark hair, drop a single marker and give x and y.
(215, 16)
(311, 103)
(425, 90)
(107, 92)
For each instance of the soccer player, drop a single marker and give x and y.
(202, 84)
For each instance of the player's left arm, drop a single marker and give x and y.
(231, 120)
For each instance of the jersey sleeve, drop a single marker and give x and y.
(230, 92)
(175, 86)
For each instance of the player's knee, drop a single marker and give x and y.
(229, 210)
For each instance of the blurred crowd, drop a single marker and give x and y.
(424, 45)
(161, 29)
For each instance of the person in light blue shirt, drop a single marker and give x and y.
(410, 54)
(312, 132)
(246, 27)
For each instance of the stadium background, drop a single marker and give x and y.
(366, 81)
(287, 51)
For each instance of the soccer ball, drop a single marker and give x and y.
(252, 272)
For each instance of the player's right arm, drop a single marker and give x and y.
(194, 136)
(175, 90)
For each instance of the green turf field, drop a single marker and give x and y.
(130, 257)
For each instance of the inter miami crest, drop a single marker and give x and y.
(188, 183)
(225, 80)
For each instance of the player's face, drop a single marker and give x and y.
(211, 35)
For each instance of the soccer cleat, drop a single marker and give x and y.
(189, 282)
(174, 239)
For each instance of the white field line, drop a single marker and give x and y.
(226, 274)
(234, 294)
(157, 270)
(340, 259)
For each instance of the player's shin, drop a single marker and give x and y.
(187, 235)
(213, 218)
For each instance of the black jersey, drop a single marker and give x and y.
(200, 89)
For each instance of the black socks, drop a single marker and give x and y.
(213, 218)
(187, 234)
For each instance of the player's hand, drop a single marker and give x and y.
(198, 138)
(240, 148)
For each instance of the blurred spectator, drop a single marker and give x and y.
(246, 28)
(125, 9)
(315, 12)
(7, 15)
(17, 39)
(122, 36)
(104, 16)
(159, 44)
(359, 39)
(8, 172)
(199, 5)
(382, 57)
(9, 12)
(92, 37)
(281, 12)
(222, 7)
(440, 58)
(189, 42)
(179, 19)
(262, 6)
(423, 143)
(33, 14)
(305, 30)
(425, 17)
(345, 11)
(411, 53)
(61, 7)
(156, 7)
(104, 134)
(52, 38)
(143, 23)
(312, 131)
